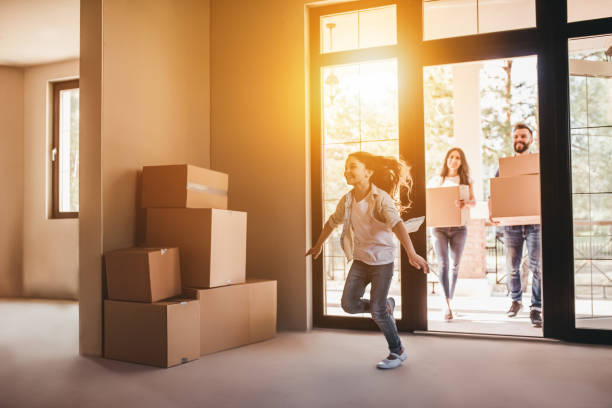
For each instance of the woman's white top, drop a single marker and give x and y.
(448, 181)
(373, 239)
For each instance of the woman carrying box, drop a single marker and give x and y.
(455, 171)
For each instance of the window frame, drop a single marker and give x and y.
(55, 149)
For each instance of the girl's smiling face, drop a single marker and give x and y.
(356, 172)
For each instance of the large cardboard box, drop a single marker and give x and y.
(143, 274)
(519, 165)
(212, 243)
(183, 186)
(235, 315)
(516, 200)
(441, 209)
(162, 334)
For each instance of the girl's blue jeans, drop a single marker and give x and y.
(446, 238)
(380, 277)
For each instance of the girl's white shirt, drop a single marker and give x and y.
(381, 207)
(373, 240)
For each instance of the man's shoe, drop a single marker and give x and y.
(393, 360)
(536, 318)
(515, 308)
(390, 305)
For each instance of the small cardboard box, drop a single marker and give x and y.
(235, 315)
(162, 334)
(183, 186)
(516, 200)
(441, 209)
(143, 274)
(519, 165)
(212, 243)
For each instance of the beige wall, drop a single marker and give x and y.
(11, 176)
(259, 136)
(50, 246)
(145, 99)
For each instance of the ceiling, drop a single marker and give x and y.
(36, 32)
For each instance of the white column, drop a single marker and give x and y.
(466, 98)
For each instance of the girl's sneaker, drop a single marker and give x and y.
(393, 360)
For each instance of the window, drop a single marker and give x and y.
(357, 95)
(359, 29)
(65, 150)
(580, 10)
(590, 80)
(453, 18)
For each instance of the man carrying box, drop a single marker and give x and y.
(514, 236)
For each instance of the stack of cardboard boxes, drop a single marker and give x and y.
(187, 210)
(515, 194)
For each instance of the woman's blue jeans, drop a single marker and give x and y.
(514, 237)
(380, 277)
(446, 238)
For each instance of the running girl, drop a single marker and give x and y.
(370, 216)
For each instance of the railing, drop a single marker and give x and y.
(586, 249)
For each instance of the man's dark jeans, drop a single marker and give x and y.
(514, 236)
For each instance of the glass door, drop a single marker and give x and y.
(590, 92)
(354, 107)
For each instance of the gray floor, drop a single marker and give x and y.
(324, 368)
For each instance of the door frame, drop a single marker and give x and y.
(549, 42)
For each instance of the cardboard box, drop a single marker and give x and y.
(519, 165)
(183, 186)
(235, 315)
(143, 274)
(162, 334)
(212, 243)
(516, 200)
(441, 210)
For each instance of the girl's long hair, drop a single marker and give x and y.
(389, 174)
(463, 171)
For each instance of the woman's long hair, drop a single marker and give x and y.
(463, 171)
(389, 174)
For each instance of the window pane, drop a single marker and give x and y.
(69, 151)
(449, 18)
(579, 10)
(377, 27)
(339, 32)
(378, 98)
(600, 166)
(503, 15)
(359, 113)
(580, 157)
(578, 102)
(453, 18)
(599, 93)
(591, 131)
(341, 104)
(359, 29)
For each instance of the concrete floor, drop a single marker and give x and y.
(324, 368)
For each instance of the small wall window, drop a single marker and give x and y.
(454, 18)
(65, 149)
